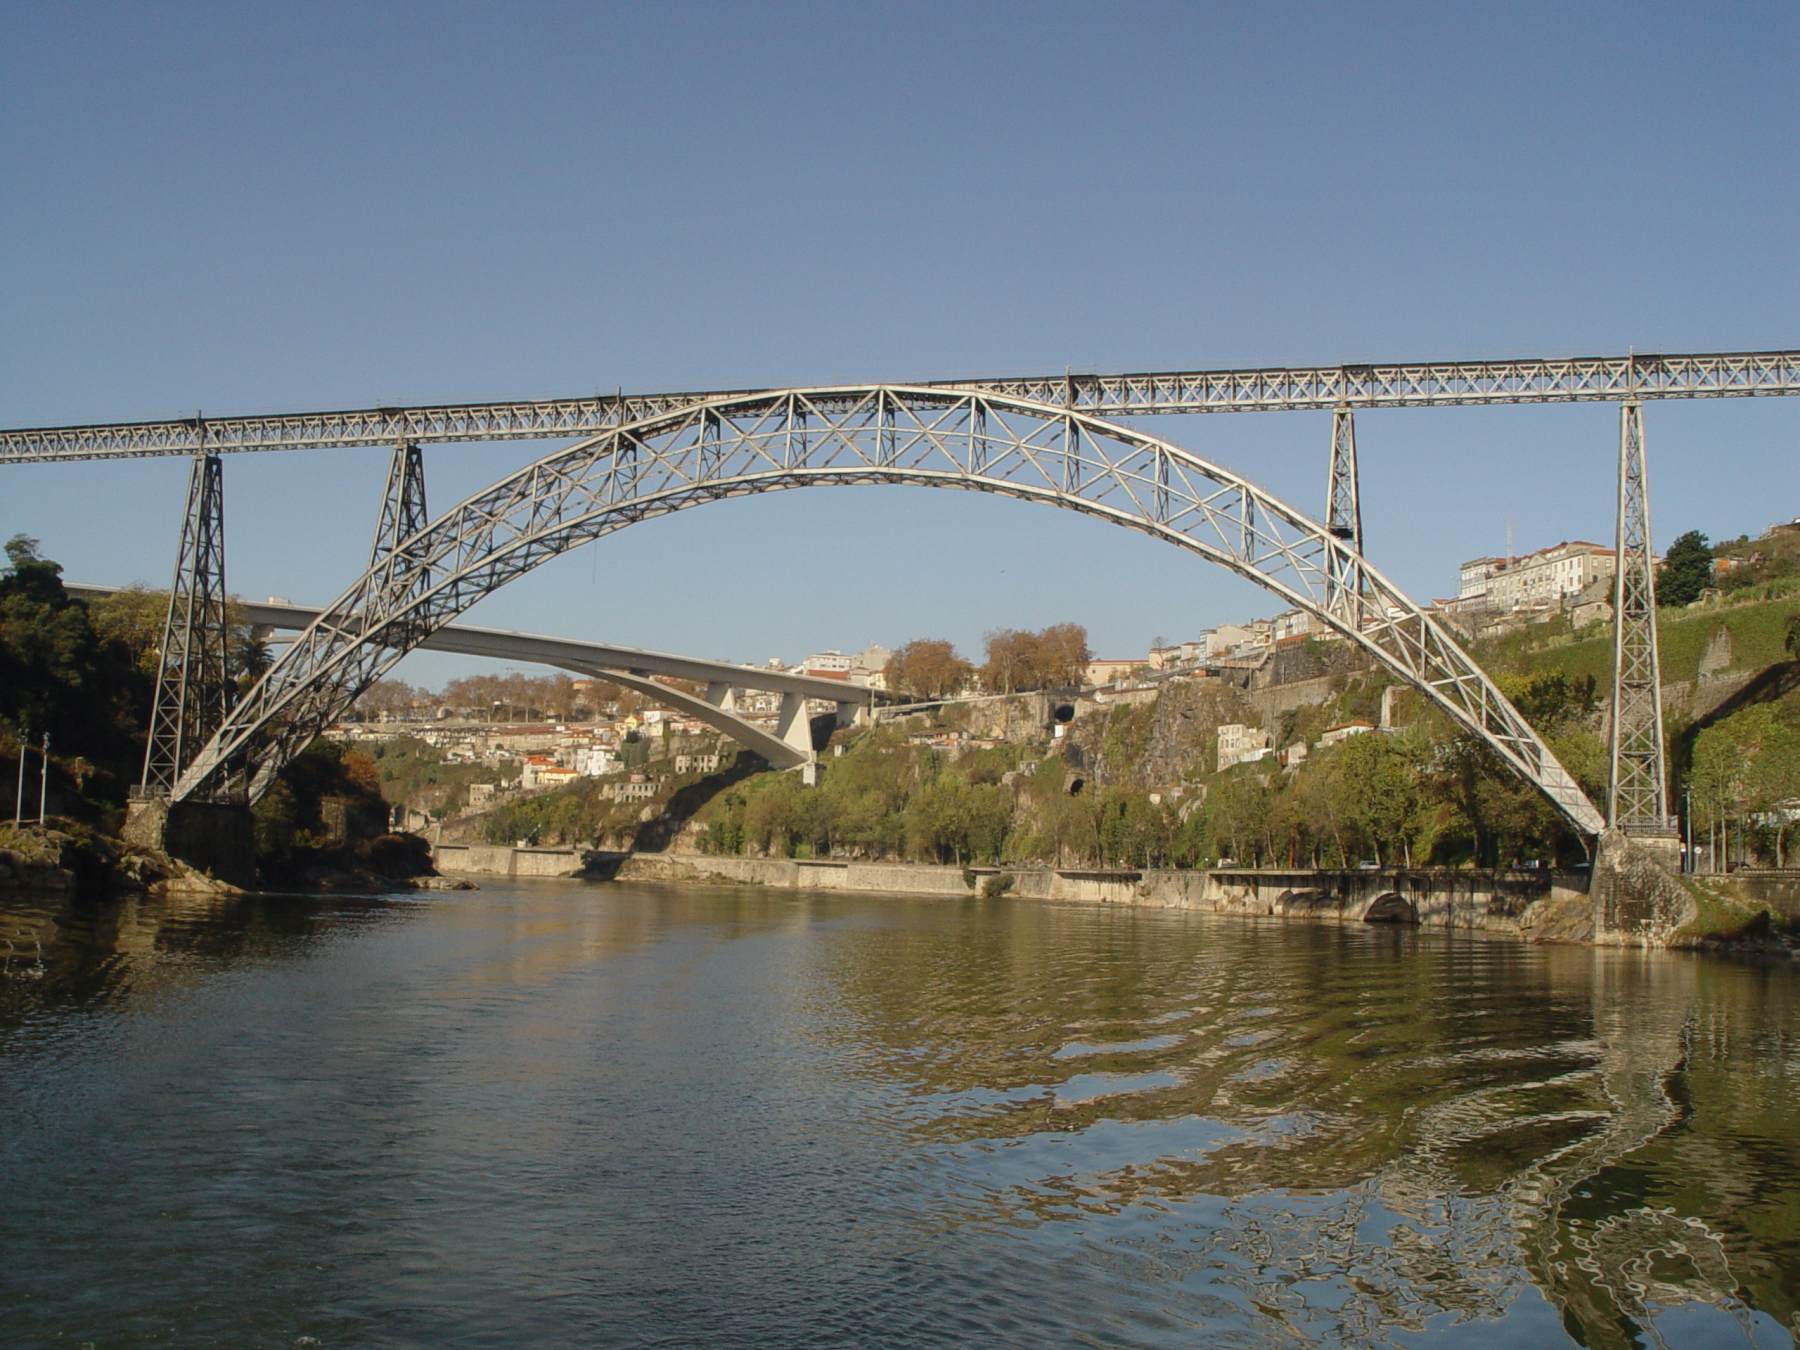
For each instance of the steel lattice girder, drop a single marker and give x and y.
(859, 435)
(1272, 389)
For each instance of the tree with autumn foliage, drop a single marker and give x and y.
(929, 668)
(1054, 657)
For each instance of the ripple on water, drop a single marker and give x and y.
(631, 1114)
(1080, 1049)
(1087, 1087)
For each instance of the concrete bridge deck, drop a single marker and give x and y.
(789, 745)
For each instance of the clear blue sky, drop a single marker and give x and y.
(255, 207)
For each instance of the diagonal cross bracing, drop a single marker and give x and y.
(1034, 452)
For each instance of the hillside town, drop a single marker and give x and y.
(504, 739)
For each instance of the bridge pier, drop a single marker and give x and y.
(1638, 899)
(793, 724)
(214, 837)
(1637, 775)
(194, 692)
(1343, 509)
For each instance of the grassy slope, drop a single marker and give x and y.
(1757, 629)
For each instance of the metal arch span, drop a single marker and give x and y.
(929, 437)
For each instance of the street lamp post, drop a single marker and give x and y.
(43, 778)
(1687, 821)
(19, 796)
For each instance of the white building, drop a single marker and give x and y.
(1239, 744)
(1472, 580)
(1540, 580)
(1109, 669)
(1291, 623)
(708, 763)
(1343, 732)
(594, 761)
(643, 791)
(1233, 639)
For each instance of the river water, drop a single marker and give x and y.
(558, 1113)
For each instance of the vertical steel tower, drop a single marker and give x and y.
(193, 683)
(1637, 783)
(1343, 509)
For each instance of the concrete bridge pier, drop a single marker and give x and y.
(1639, 899)
(213, 837)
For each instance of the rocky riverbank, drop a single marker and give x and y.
(66, 858)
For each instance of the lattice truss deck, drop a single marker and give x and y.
(1272, 389)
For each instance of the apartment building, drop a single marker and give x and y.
(1540, 580)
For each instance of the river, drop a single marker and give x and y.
(563, 1113)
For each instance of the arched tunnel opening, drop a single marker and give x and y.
(1391, 908)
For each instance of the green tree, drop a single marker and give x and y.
(1376, 790)
(1745, 769)
(1237, 814)
(1686, 570)
(275, 820)
(58, 675)
(1793, 634)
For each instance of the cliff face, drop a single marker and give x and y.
(1159, 744)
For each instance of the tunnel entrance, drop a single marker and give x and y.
(1391, 908)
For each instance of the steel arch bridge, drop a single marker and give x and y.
(922, 436)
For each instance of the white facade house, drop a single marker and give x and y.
(1239, 744)
(1472, 580)
(1292, 623)
(637, 789)
(1107, 669)
(594, 761)
(1343, 732)
(1237, 640)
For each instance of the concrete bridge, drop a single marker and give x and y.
(788, 746)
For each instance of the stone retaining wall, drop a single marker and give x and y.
(1537, 905)
(500, 860)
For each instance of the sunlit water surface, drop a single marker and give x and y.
(554, 1113)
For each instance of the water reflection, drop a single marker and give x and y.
(646, 1113)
